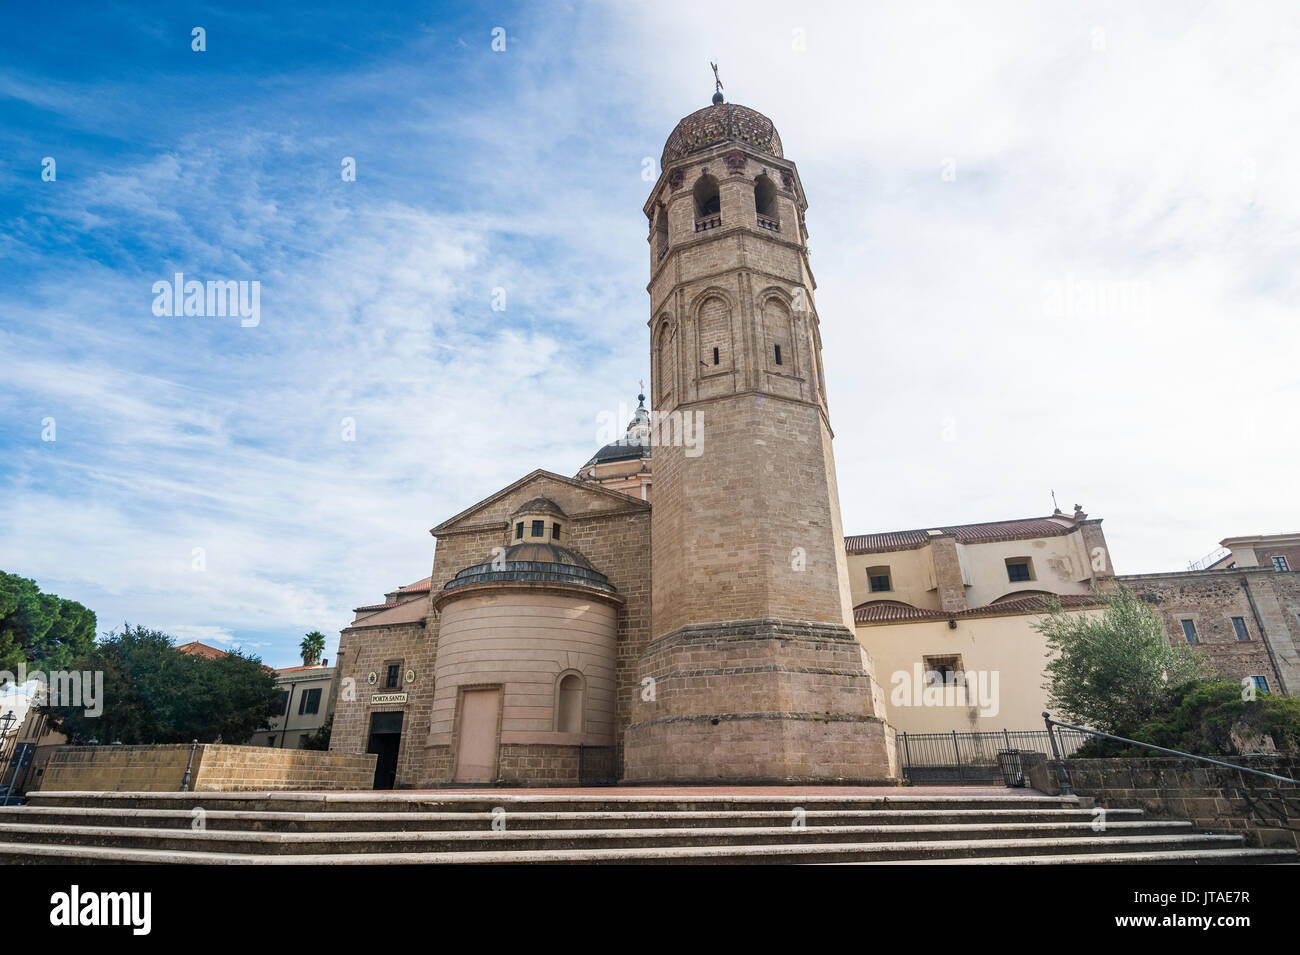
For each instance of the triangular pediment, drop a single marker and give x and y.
(578, 499)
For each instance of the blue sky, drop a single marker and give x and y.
(1054, 248)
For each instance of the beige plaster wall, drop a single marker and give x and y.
(911, 574)
(1006, 646)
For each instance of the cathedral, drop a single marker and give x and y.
(683, 602)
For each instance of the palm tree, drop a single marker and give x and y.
(312, 646)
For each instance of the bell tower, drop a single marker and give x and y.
(753, 673)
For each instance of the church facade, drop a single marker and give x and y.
(683, 598)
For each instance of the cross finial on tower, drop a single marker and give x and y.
(717, 84)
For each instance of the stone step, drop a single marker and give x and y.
(1243, 856)
(681, 826)
(485, 801)
(1181, 849)
(480, 840)
(288, 821)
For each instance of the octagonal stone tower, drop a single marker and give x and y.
(753, 673)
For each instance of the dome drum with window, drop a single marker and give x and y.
(537, 520)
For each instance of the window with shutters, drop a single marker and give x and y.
(1019, 569)
(309, 702)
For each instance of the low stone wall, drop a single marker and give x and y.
(216, 768)
(242, 768)
(113, 768)
(1265, 811)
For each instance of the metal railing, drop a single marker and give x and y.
(1211, 558)
(1063, 774)
(970, 758)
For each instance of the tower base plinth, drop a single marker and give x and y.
(763, 701)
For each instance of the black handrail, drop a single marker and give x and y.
(1064, 775)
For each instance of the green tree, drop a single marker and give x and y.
(1115, 671)
(38, 629)
(312, 646)
(1212, 718)
(154, 694)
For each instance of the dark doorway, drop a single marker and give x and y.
(385, 739)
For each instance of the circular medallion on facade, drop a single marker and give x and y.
(410, 676)
(372, 678)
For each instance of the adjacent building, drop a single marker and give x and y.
(306, 704)
(953, 609)
(1241, 608)
(38, 732)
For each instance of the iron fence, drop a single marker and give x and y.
(972, 758)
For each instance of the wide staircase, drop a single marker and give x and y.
(897, 826)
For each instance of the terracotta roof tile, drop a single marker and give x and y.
(890, 611)
(196, 649)
(965, 533)
(420, 586)
(884, 611)
(1032, 603)
(383, 606)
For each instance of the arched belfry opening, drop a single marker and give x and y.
(708, 203)
(765, 198)
(661, 234)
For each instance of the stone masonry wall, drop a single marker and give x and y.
(260, 769)
(1263, 810)
(364, 650)
(1268, 602)
(216, 768)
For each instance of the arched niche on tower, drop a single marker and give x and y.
(815, 349)
(780, 333)
(664, 373)
(712, 312)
